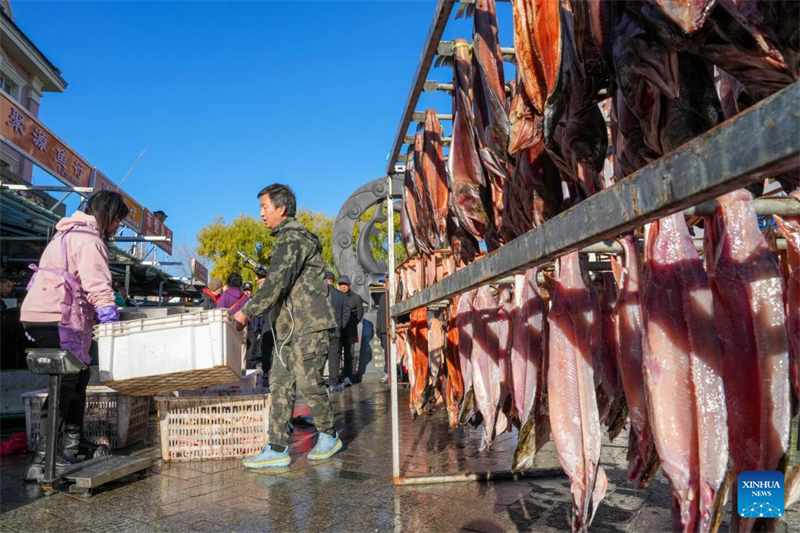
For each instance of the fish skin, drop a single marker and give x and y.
(537, 42)
(751, 325)
(418, 337)
(642, 458)
(413, 203)
(526, 362)
(434, 173)
(464, 246)
(790, 227)
(688, 15)
(502, 328)
(436, 346)
(469, 189)
(454, 392)
(683, 375)
(570, 387)
(406, 232)
(612, 381)
(485, 370)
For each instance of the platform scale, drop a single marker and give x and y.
(86, 476)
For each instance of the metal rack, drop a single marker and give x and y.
(726, 158)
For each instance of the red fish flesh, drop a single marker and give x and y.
(751, 326)
(683, 376)
(574, 417)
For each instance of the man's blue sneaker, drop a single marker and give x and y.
(268, 458)
(325, 448)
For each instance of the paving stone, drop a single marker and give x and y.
(352, 492)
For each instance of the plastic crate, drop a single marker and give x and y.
(111, 418)
(212, 424)
(178, 352)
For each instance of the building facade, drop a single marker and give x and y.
(25, 75)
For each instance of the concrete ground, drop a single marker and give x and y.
(353, 492)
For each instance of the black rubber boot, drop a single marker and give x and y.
(74, 445)
(36, 467)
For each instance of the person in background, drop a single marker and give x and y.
(247, 288)
(233, 299)
(119, 299)
(341, 310)
(295, 291)
(350, 333)
(382, 328)
(77, 254)
(211, 294)
(6, 288)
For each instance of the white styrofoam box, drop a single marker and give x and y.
(176, 344)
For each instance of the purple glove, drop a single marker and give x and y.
(108, 314)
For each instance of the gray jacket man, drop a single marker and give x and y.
(341, 310)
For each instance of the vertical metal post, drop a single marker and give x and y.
(390, 288)
(128, 280)
(160, 293)
(53, 405)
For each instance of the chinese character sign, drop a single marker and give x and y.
(151, 226)
(135, 211)
(25, 133)
(199, 272)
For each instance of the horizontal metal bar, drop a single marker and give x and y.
(431, 86)
(613, 247)
(441, 15)
(161, 263)
(781, 206)
(757, 143)
(481, 476)
(445, 48)
(404, 157)
(419, 116)
(149, 238)
(445, 140)
(44, 188)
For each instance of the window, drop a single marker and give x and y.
(9, 87)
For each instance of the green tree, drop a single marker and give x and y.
(219, 241)
(379, 239)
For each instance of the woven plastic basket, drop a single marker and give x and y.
(111, 418)
(212, 424)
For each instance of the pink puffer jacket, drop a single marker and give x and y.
(87, 259)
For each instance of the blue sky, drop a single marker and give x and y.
(233, 96)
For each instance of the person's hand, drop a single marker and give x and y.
(260, 282)
(241, 320)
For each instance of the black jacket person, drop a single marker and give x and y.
(341, 309)
(295, 290)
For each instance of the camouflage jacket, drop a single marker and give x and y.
(294, 287)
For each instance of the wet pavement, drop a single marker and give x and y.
(353, 492)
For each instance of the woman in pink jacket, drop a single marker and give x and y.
(70, 289)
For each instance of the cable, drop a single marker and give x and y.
(288, 338)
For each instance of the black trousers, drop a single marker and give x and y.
(384, 344)
(267, 347)
(334, 360)
(350, 356)
(72, 399)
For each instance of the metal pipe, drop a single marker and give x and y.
(419, 116)
(390, 288)
(613, 247)
(58, 203)
(446, 48)
(127, 279)
(778, 205)
(480, 476)
(43, 188)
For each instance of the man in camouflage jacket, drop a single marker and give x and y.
(295, 288)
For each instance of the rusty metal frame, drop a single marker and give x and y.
(726, 158)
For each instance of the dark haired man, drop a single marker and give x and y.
(295, 291)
